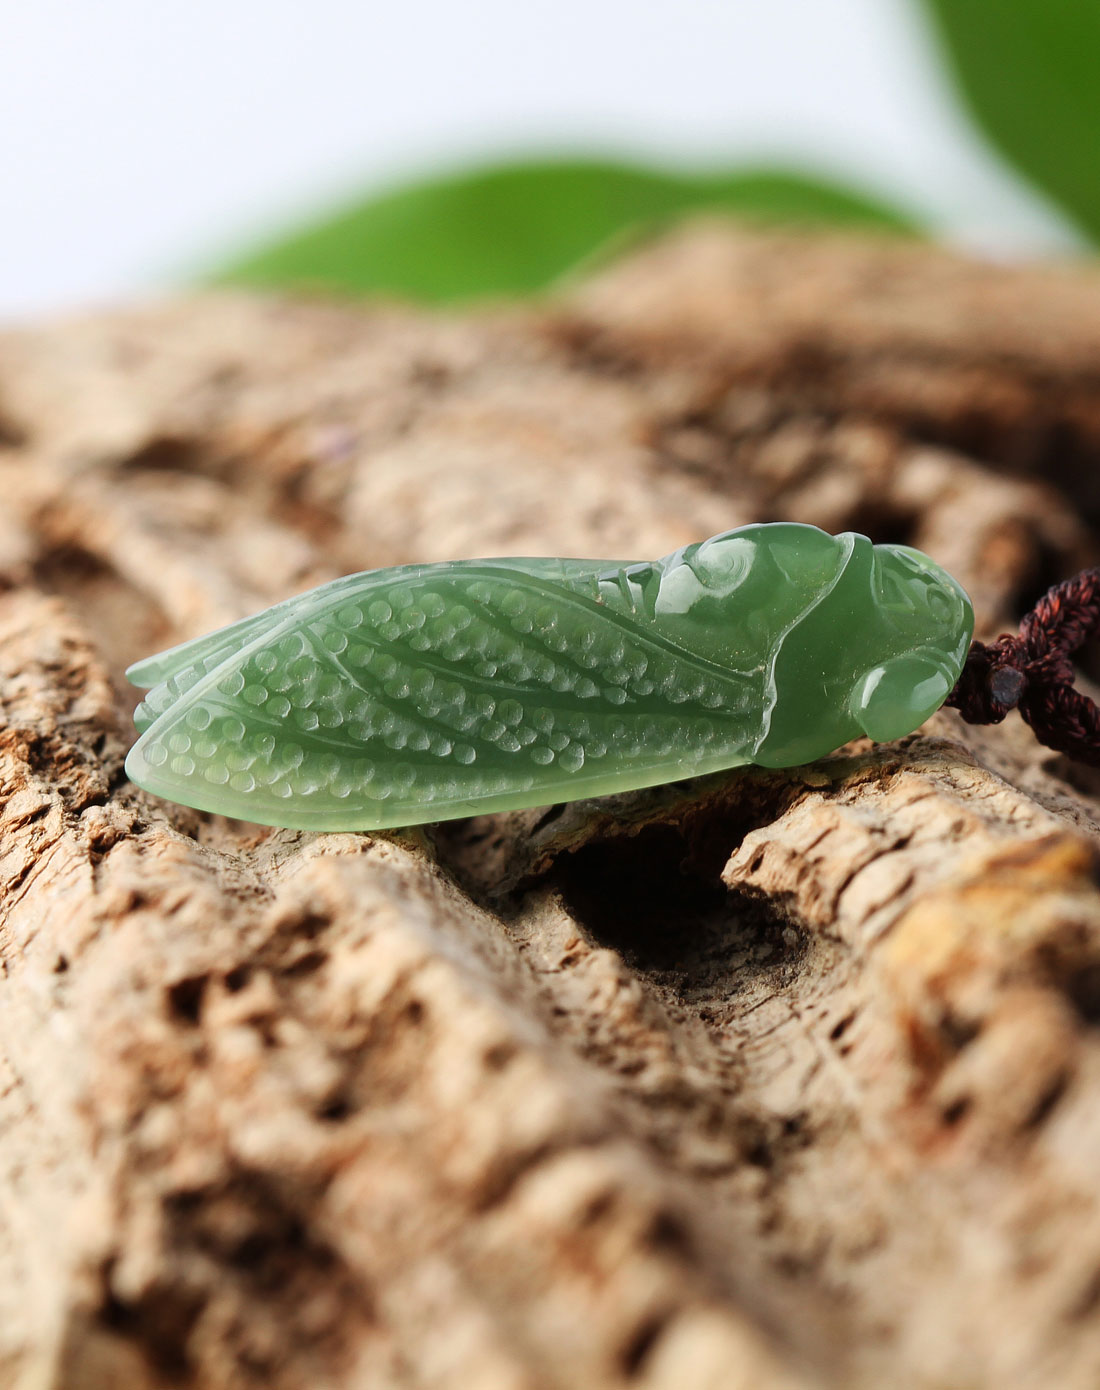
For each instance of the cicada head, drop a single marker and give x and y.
(923, 622)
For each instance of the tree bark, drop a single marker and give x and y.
(770, 1080)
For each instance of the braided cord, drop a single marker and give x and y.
(1032, 671)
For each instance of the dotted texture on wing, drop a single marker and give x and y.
(418, 693)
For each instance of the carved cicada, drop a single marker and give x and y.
(426, 692)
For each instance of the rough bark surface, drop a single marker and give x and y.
(774, 1080)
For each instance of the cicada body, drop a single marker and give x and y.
(427, 692)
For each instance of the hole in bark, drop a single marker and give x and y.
(1082, 988)
(1046, 1102)
(667, 1232)
(505, 1173)
(185, 998)
(184, 1201)
(957, 1032)
(257, 1251)
(658, 899)
(249, 1239)
(301, 923)
(598, 1207)
(249, 1226)
(630, 892)
(164, 454)
(336, 1109)
(499, 1055)
(772, 1143)
(160, 1322)
(306, 964)
(957, 1110)
(645, 1337)
(839, 1029)
(237, 978)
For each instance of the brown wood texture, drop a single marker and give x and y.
(774, 1080)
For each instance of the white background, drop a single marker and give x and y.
(140, 139)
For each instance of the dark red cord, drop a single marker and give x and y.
(1032, 671)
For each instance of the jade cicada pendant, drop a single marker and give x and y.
(426, 692)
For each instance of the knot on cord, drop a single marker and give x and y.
(1032, 671)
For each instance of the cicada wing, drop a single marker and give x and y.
(203, 654)
(183, 672)
(443, 691)
(173, 672)
(200, 653)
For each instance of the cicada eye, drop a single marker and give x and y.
(714, 569)
(897, 696)
(723, 563)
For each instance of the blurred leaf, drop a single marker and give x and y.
(515, 228)
(1029, 71)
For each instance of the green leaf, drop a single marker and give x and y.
(1028, 69)
(515, 228)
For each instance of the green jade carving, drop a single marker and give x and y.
(427, 692)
